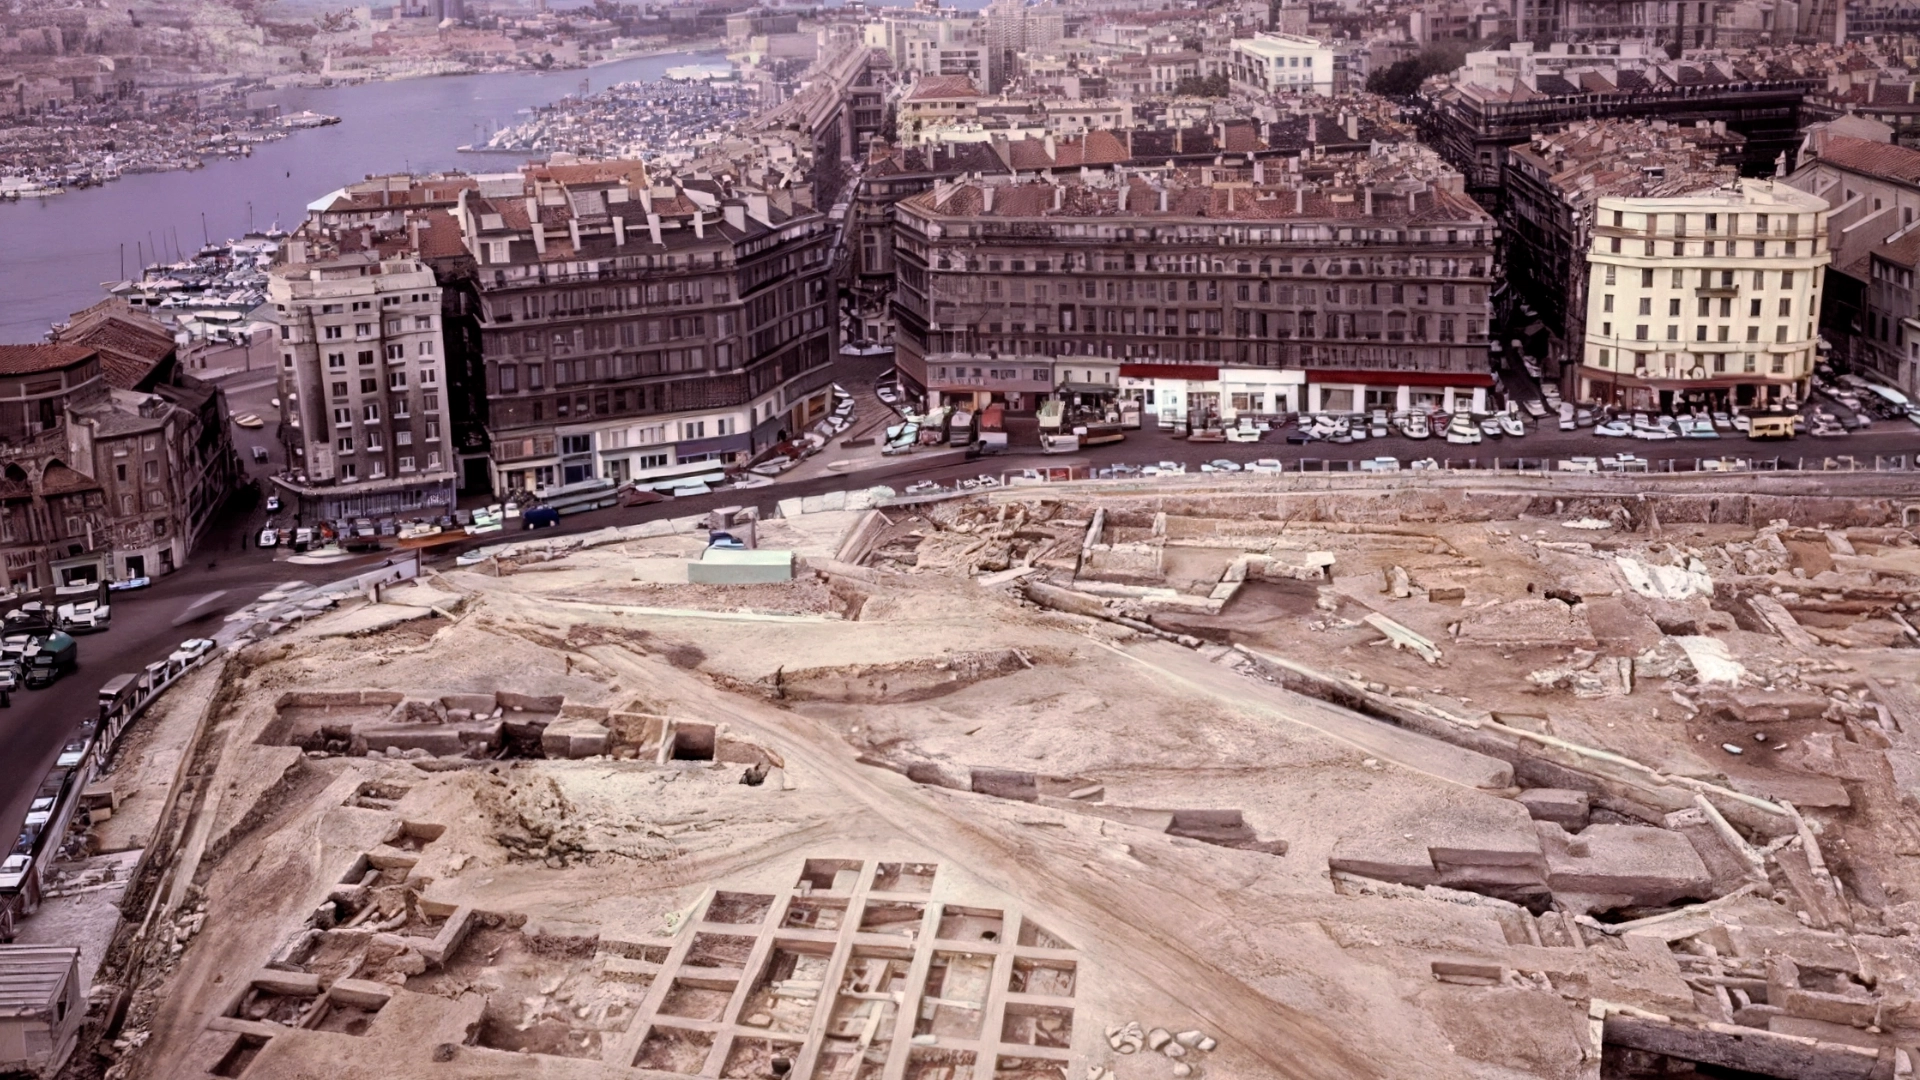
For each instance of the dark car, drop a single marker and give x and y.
(539, 517)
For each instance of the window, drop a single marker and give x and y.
(1646, 278)
(1646, 305)
(1606, 303)
(1786, 277)
(406, 464)
(336, 360)
(151, 471)
(120, 472)
(369, 386)
(343, 417)
(396, 380)
(432, 434)
(1786, 307)
(1610, 274)
(509, 378)
(429, 376)
(339, 389)
(371, 413)
(693, 429)
(423, 322)
(344, 444)
(1640, 332)
(364, 329)
(396, 352)
(403, 437)
(1753, 308)
(425, 349)
(576, 444)
(1673, 308)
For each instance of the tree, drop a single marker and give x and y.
(1402, 78)
(1211, 86)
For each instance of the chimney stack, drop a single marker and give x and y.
(699, 224)
(986, 198)
(1353, 127)
(619, 231)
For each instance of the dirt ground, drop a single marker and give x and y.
(1037, 816)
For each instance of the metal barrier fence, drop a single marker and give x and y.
(1619, 463)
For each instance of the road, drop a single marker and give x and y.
(225, 573)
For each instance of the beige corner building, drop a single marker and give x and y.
(1709, 299)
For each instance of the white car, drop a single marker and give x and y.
(1614, 429)
(273, 504)
(1264, 465)
(1462, 431)
(923, 487)
(1222, 465)
(269, 536)
(13, 872)
(194, 648)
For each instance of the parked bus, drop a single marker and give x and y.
(118, 696)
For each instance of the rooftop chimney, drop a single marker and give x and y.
(1299, 200)
(1369, 200)
(573, 233)
(736, 215)
(1259, 171)
(653, 229)
(986, 198)
(1353, 127)
(700, 224)
(619, 232)
(1163, 200)
(1313, 129)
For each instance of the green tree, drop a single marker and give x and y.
(1211, 86)
(1402, 78)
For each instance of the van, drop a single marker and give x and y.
(1777, 426)
(260, 455)
(539, 517)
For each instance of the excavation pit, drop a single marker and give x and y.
(697, 999)
(891, 917)
(809, 914)
(830, 875)
(904, 877)
(1038, 1025)
(970, 924)
(675, 1050)
(1051, 978)
(738, 909)
(719, 951)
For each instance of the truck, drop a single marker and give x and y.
(993, 426)
(51, 657)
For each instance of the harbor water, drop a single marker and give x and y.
(55, 252)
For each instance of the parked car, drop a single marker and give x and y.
(249, 421)
(539, 517)
(273, 504)
(1614, 429)
(260, 455)
(125, 584)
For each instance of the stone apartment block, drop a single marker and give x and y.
(1368, 280)
(1710, 298)
(1553, 182)
(120, 461)
(362, 384)
(629, 328)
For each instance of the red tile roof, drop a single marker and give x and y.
(33, 359)
(931, 87)
(1884, 160)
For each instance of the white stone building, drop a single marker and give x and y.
(1280, 62)
(1711, 298)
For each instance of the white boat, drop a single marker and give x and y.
(1510, 424)
(1415, 426)
(1534, 408)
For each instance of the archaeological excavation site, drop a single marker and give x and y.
(1590, 781)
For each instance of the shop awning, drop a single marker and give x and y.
(1400, 378)
(1195, 372)
(1087, 388)
(1720, 382)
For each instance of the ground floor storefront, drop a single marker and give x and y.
(1746, 392)
(1358, 391)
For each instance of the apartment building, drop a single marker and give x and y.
(627, 325)
(1710, 298)
(936, 102)
(362, 384)
(1369, 276)
(1553, 182)
(1874, 188)
(1271, 63)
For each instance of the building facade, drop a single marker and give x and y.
(363, 386)
(1711, 298)
(627, 326)
(1272, 63)
(1371, 280)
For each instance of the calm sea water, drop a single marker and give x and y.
(55, 253)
